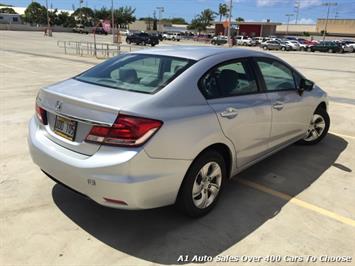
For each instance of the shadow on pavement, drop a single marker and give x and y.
(161, 235)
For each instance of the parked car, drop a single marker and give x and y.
(173, 36)
(347, 47)
(276, 45)
(142, 38)
(259, 40)
(170, 126)
(80, 29)
(349, 43)
(99, 30)
(246, 41)
(326, 46)
(220, 40)
(293, 44)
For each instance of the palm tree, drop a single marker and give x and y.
(222, 11)
(206, 17)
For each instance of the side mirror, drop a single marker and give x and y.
(305, 85)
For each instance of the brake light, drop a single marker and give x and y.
(41, 114)
(126, 131)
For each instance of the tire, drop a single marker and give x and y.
(128, 41)
(152, 44)
(309, 49)
(265, 47)
(283, 48)
(314, 135)
(204, 199)
(330, 51)
(143, 43)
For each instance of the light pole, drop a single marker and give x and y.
(288, 21)
(297, 10)
(113, 23)
(328, 4)
(49, 31)
(161, 10)
(229, 23)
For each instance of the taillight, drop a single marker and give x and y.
(41, 114)
(126, 131)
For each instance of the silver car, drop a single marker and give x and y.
(172, 125)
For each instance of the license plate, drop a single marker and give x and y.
(65, 128)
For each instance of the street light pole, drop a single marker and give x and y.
(229, 23)
(49, 31)
(113, 22)
(328, 4)
(161, 10)
(288, 21)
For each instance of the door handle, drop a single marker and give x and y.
(278, 106)
(230, 112)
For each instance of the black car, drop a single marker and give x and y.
(275, 45)
(99, 30)
(327, 46)
(142, 38)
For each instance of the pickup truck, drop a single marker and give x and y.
(242, 40)
(172, 36)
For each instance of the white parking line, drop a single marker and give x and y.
(298, 202)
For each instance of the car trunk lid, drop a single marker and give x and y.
(79, 106)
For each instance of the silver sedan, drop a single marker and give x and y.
(172, 125)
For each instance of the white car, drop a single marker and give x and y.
(242, 40)
(172, 36)
(295, 45)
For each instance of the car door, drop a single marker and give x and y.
(243, 111)
(290, 110)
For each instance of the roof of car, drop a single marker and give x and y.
(198, 52)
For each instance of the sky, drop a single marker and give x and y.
(250, 10)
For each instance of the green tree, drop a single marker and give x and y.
(84, 15)
(36, 14)
(124, 16)
(222, 11)
(197, 25)
(7, 10)
(206, 17)
(64, 19)
(102, 13)
(239, 19)
(178, 21)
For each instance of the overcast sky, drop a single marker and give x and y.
(253, 10)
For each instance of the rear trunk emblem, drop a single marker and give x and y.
(58, 105)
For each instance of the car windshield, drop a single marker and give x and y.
(136, 72)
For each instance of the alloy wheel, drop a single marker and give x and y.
(316, 128)
(207, 185)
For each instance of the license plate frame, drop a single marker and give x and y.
(65, 127)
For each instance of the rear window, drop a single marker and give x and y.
(136, 72)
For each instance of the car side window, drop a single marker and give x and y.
(277, 76)
(227, 80)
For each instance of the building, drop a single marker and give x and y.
(251, 29)
(296, 29)
(337, 27)
(10, 18)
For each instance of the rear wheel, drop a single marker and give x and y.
(309, 49)
(265, 47)
(202, 184)
(128, 41)
(330, 51)
(283, 48)
(318, 127)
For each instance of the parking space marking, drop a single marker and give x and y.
(342, 135)
(298, 202)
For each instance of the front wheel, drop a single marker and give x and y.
(283, 48)
(202, 184)
(318, 128)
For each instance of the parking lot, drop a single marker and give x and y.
(298, 202)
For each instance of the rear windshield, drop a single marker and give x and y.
(136, 72)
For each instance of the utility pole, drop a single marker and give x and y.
(288, 21)
(328, 5)
(229, 23)
(297, 9)
(113, 22)
(49, 31)
(161, 10)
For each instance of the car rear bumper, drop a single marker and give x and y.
(113, 173)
